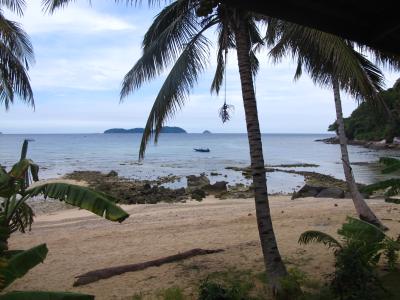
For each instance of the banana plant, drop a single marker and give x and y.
(17, 215)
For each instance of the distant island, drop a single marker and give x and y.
(165, 129)
(206, 132)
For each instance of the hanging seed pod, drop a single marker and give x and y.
(225, 112)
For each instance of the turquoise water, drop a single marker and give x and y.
(58, 154)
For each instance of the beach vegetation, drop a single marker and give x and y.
(17, 215)
(357, 255)
(172, 293)
(16, 57)
(374, 123)
(391, 187)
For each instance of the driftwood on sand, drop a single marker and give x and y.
(96, 275)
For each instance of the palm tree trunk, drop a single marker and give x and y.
(363, 210)
(272, 259)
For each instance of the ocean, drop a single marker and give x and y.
(59, 154)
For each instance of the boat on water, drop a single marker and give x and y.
(201, 149)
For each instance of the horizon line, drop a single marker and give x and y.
(19, 133)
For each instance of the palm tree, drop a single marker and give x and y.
(332, 61)
(16, 55)
(177, 37)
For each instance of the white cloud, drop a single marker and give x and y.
(92, 69)
(74, 19)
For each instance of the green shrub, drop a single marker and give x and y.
(172, 293)
(356, 257)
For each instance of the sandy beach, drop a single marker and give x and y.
(79, 242)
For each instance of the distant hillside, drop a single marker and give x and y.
(165, 129)
(370, 122)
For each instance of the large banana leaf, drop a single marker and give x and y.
(20, 263)
(96, 202)
(45, 296)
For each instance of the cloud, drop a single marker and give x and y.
(76, 19)
(83, 52)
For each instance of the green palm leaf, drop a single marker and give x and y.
(357, 229)
(14, 5)
(314, 236)
(326, 57)
(20, 263)
(16, 54)
(176, 87)
(51, 5)
(172, 29)
(21, 219)
(101, 204)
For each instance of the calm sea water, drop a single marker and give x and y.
(58, 154)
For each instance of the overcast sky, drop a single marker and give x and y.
(83, 52)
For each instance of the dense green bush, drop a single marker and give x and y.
(356, 258)
(372, 122)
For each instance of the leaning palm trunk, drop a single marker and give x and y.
(363, 210)
(272, 258)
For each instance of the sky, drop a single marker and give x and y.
(83, 52)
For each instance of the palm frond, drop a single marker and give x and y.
(254, 63)
(327, 57)
(225, 42)
(22, 218)
(169, 34)
(98, 203)
(16, 55)
(176, 87)
(382, 58)
(16, 6)
(314, 236)
(16, 39)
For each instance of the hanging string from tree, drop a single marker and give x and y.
(226, 109)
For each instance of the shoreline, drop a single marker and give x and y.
(135, 191)
(375, 145)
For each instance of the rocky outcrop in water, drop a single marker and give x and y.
(376, 145)
(319, 192)
(130, 191)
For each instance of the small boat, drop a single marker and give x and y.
(201, 149)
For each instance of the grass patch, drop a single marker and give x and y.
(172, 293)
